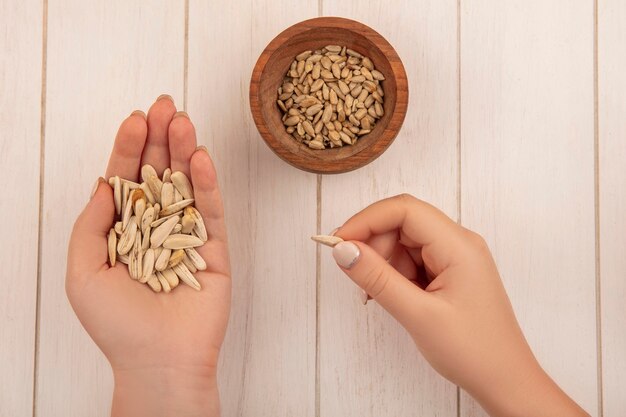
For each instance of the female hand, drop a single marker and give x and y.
(163, 348)
(441, 283)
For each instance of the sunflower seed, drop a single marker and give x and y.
(163, 219)
(167, 175)
(128, 211)
(378, 75)
(148, 171)
(155, 185)
(175, 207)
(148, 265)
(162, 232)
(185, 275)
(146, 190)
(327, 240)
(164, 284)
(145, 240)
(171, 277)
(112, 246)
(176, 258)
(127, 239)
(140, 208)
(136, 259)
(187, 223)
(163, 260)
(125, 194)
(182, 184)
(190, 266)
(147, 219)
(199, 228)
(180, 241)
(117, 194)
(153, 282)
(196, 259)
(167, 194)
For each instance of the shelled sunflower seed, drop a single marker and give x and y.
(331, 97)
(331, 241)
(156, 230)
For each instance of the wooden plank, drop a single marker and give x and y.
(20, 116)
(268, 359)
(612, 153)
(369, 365)
(527, 140)
(104, 60)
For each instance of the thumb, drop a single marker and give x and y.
(88, 243)
(392, 290)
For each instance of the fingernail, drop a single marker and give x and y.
(166, 96)
(335, 230)
(181, 114)
(346, 254)
(138, 113)
(95, 186)
(202, 148)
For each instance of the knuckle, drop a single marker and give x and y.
(476, 241)
(376, 280)
(405, 198)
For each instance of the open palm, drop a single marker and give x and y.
(133, 326)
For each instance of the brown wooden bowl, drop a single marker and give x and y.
(312, 34)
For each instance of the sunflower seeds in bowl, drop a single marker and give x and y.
(331, 97)
(156, 230)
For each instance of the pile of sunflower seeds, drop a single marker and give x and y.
(331, 97)
(157, 229)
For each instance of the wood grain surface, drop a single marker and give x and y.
(505, 131)
(612, 200)
(268, 359)
(101, 65)
(527, 173)
(369, 365)
(20, 121)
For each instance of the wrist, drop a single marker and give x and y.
(166, 391)
(531, 393)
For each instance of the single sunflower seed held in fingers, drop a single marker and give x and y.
(327, 240)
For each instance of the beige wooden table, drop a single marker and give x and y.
(516, 128)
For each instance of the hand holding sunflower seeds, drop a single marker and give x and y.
(331, 97)
(157, 229)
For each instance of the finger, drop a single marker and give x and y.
(129, 142)
(156, 152)
(419, 225)
(399, 296)
(403, 263)
(88, 243)
(182, 142)
(384, 244)
(208, 201)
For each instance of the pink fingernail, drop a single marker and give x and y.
(346, 254)
(165, 96)
(335, 230)
(95, 187)
(138, 113)
(180, 114)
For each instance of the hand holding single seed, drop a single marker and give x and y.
(163, 348)
(441, 283)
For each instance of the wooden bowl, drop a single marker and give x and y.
(312, 34)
